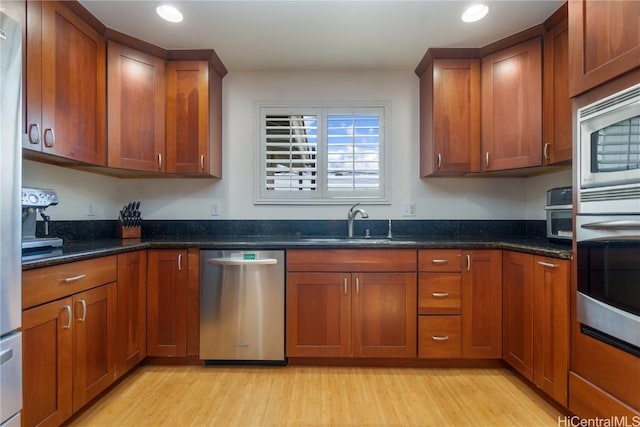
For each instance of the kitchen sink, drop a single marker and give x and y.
(346, 240)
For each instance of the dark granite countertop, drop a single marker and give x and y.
(76, 250)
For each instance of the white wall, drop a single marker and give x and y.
(440, 198)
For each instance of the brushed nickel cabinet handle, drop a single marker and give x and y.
(468, 262)
(357, 286)
(439, 261)
(547, 264)
(159, 160)
(440, 338)
(179, 262)
(345, 286)
(34, 138)
(439, 160)
(83, 303)
(67, 308)
(74, 278)
(440, 294)
(545, 151)
(486, 159)
(49, 131)
(202, 161)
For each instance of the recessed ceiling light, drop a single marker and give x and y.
(475, 13)
(169, 13)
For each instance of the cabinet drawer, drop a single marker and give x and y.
(47, 284)
(439, 293)
(439, 260)
(439, 337)
(360, 260)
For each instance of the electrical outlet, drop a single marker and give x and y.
(215, 209)
(90, 210)
(408, 208)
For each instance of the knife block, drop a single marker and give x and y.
(129, 232)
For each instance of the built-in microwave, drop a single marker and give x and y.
(609, 154)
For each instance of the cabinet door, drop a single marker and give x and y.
(557, 103)
(167, 303)
(94, 343)
(482, 305)
(512, 107)
(517, 311)
(132, 310)
(188, 117)
(551, 320)
(136, 109)
(604, 42)
(47, 339)
(66, 84)
(193, 302)
(318, 314)
(384, 314)
(450, 117)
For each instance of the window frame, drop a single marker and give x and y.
(323, 196)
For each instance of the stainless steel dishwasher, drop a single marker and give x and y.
(242, 306)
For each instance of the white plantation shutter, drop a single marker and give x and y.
(321, 154)
(291, 143)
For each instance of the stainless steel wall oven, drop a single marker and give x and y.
(608, 220)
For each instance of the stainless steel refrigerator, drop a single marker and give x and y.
(10, 223)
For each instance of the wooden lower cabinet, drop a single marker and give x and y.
(351, 314)
(481, 283)
(172, 302)
(47, 377)
(69, 354)
(132, 310)
(536, 320)
(336, 313)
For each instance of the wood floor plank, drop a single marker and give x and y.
(318, 396)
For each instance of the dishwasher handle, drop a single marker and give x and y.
(240, 262)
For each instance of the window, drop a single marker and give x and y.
(321, 154)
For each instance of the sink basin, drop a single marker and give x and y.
(345, 240)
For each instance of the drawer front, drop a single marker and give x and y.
(439, 260)
(50, 283)
(347, 260)
(439, 337)
(439, 293)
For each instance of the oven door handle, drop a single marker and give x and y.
(613, 225)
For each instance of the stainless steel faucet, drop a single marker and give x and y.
(352, 215)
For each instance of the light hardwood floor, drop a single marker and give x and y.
(319, 396)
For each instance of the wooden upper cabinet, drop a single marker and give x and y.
(512, 107)
(557, 128)
(65, 85)
(450, 117)
(136, 109)
(604, 42)
(193, 121)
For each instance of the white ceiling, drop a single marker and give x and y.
(320, 34)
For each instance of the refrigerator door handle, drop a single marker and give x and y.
(5, 356)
